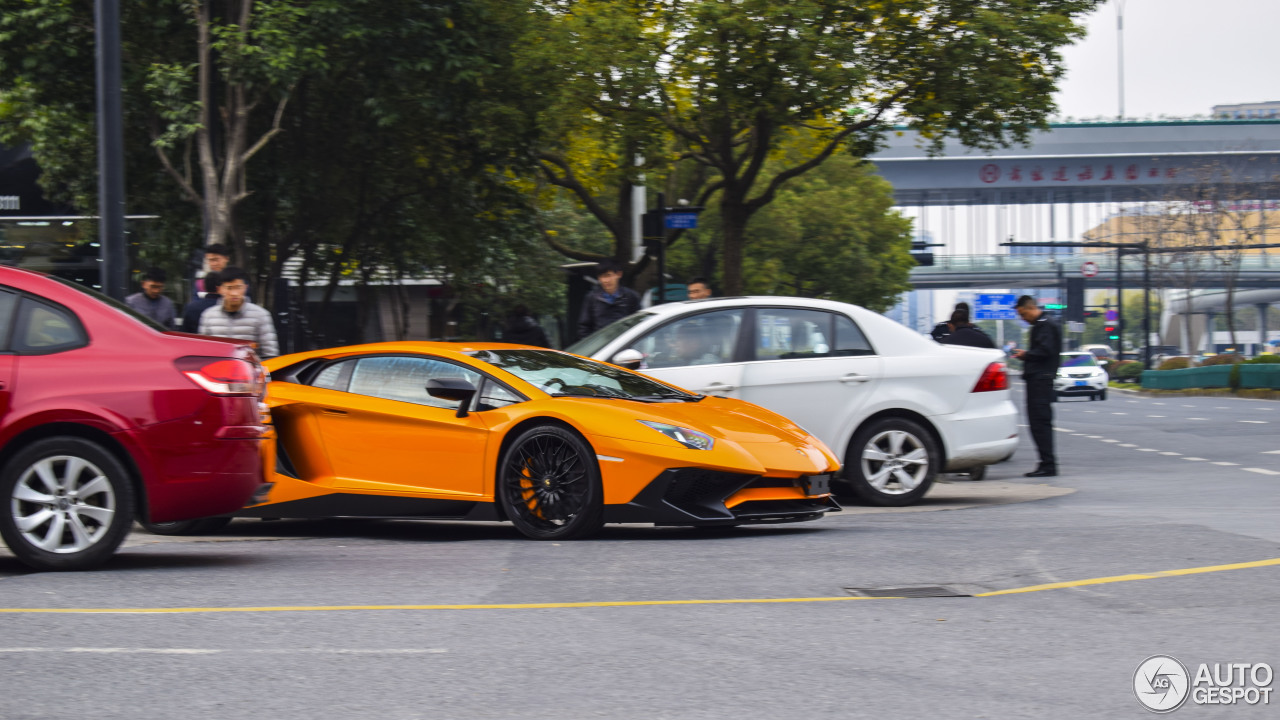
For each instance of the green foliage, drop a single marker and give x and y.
(1127, 370)
(1264, 360)
(731, 85)
(404, 128)
(1175, 363)
(831, 234)
(1222, 359)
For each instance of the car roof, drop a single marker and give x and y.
(672, 308)
(456, 350)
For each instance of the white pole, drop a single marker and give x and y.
(1120, 51)
(638, 201)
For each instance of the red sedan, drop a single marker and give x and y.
(106, 417)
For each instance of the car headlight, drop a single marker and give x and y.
(691, 439)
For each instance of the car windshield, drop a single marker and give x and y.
(591, 344)
(1078, 360)
(561, 374)
(112, 302)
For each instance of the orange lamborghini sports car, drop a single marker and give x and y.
(555, 443)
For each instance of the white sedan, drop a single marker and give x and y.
(897, 406)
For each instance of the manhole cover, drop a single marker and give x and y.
(925, 591)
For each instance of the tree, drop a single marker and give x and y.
(730, 83)
(830, 234)
(367, 137)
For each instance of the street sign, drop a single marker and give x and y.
(1089, 269)
(683, 220)
(992, 306)
(1112, 316)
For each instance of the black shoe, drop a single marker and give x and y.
(1042, 472)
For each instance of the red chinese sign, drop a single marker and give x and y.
(1040, 173)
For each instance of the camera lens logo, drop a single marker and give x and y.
(1161, 683)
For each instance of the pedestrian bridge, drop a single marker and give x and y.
(1089, 163)
(1030, 271)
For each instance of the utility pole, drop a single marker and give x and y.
(1120, 300)
(113, 251)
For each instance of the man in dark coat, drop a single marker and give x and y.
(1040, 367)
(194, 309)
(963, 332)
(523, 329)
(943, 329)
(608, 302)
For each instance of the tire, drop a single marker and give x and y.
(67, 504)
(887, 442)
(549, 485)
(199, 526)
(1102, 395)
(978, 473)
(1093, 396)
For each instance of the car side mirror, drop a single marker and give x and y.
(452, 389)
(629, 359)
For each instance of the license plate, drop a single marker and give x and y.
(816, 484)
(1082, 382)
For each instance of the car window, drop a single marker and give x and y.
(849, 338)
(1078, 360)
(45, 328)
(791, 333)
(403, 378)
(335, 376)
(494, 395)
(592, 343)
(7, 301)
(702, 339)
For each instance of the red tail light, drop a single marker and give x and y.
(995, 377)
(223, 376)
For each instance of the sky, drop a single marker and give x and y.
(1181, 57)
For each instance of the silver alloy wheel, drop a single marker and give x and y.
(63, 504)
(895, 462)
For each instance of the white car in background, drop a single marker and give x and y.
(1080, 374)
(896, 406)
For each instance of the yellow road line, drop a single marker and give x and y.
(501, 606)
(1127, 578)
(633, 603)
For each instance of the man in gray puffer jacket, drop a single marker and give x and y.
(238, 318)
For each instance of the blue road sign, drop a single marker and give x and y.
(995, 307)
(686, 220)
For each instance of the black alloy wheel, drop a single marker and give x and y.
(199, 526)
(549, 485)
(67, 504)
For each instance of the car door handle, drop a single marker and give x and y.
(854, 378)
(336, 413)
(719, 387)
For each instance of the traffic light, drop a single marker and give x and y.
(1113, 332)
(1054, 306)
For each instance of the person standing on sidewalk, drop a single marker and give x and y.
(238, 318)
(151, 301)
(1040, 366)
(608, 302)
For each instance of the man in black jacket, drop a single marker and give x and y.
(1040, 367)
(943, 329)
(608, 302)
(963, 332)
